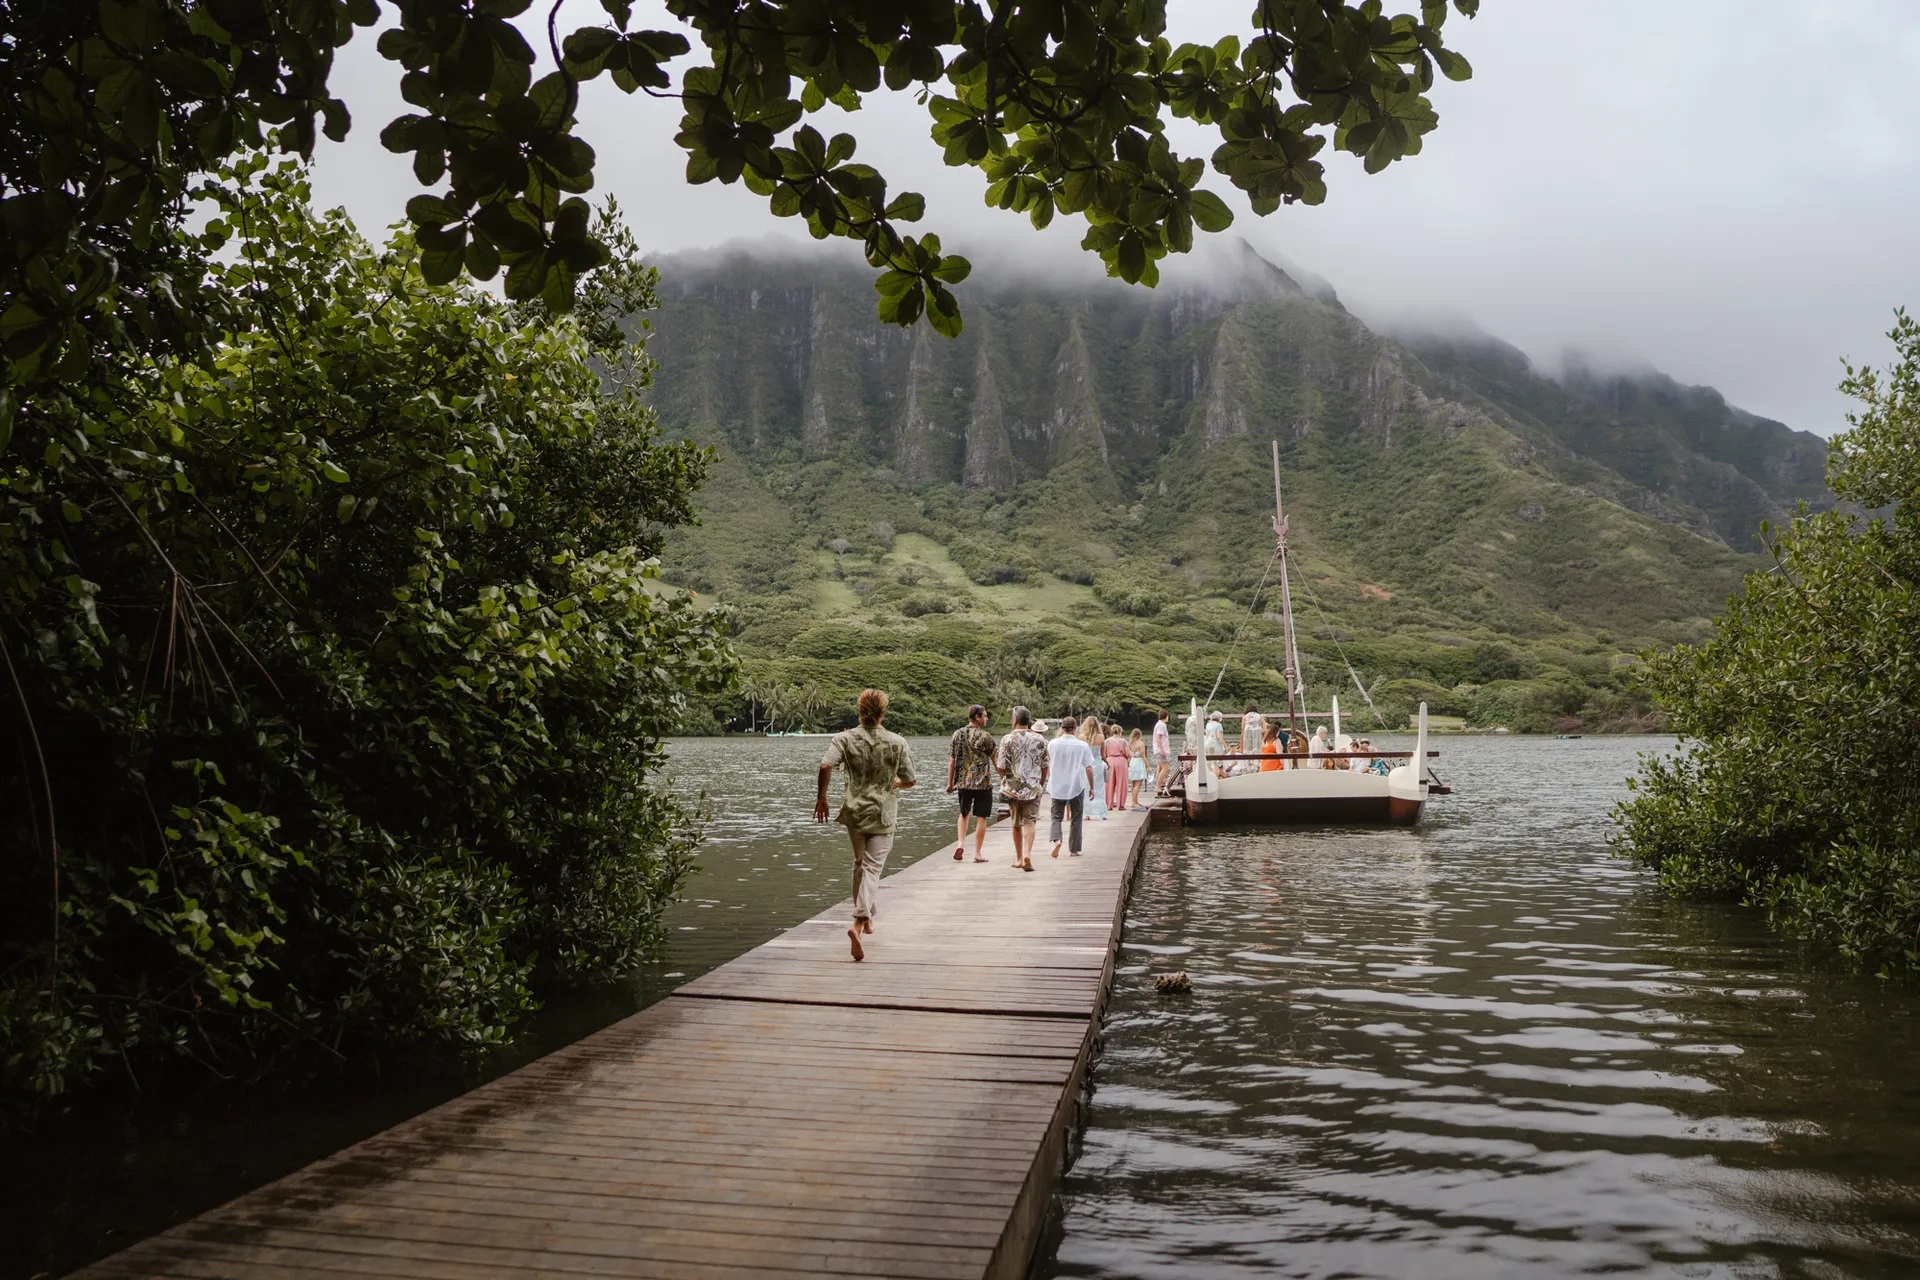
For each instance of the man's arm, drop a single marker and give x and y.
(953, 764)
(820, 797)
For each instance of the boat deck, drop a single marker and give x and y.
(790, 1113)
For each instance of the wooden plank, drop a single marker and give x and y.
(789, 1114)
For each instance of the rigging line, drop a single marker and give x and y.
(1327, 624)
(1240, 631)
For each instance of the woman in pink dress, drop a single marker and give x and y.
(1117, 757)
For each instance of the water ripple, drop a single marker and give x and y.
(1485, 1048)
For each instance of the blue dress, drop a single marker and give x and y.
(1097, 801)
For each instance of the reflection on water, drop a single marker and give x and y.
(1485, 1048)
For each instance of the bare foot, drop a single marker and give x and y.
(866, 926)
(1027, 865)
(1056, 851)
(978, 858)
(853, 936)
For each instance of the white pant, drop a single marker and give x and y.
(869, 860)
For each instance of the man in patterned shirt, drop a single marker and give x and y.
(878, 764)
(1022, 762)
(970, 772)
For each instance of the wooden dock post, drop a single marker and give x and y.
(790, 1113)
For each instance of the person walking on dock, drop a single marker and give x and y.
(1069, 781)
(878, 764)
(1114, 748)
(1162, 752)
(970, 772)
(1022, 762)
(1136, 768)
(1096, 801)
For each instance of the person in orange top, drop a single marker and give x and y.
(1271, 747)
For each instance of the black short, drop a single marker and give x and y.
(976, 802)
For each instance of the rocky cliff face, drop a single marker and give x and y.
(785, 360)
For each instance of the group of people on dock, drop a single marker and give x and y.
(1085, 770)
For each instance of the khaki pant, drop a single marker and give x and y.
(869, 861)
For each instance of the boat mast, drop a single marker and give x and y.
(1286, 592)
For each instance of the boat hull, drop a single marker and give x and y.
(1307, 796)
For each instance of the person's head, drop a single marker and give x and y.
(872, 706)
(1134, 739)
(1272, 732)
(1321, 732)
(1159, 713)
(1251, 708)
(1214, 718)
(1069, 724)
(1022, 718)
(976, 715)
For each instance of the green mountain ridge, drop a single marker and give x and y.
(1069, 504)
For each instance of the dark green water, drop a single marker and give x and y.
(1485, 1048)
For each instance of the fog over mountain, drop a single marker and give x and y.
(1074, 494)
(1722, 189)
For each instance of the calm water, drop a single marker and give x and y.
(1485, 1048)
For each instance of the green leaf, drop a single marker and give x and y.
(908, 206)
(1210, 212)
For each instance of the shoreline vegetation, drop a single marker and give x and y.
(1794, 790)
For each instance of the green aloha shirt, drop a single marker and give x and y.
(972, 752)
(874, 759)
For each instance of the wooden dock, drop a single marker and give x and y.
(790, 1113)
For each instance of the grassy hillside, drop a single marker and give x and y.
(1068, 505)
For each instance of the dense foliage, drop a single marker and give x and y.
(1795, 787)
(336, 660)
(113, 108)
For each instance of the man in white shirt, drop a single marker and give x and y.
(1162, 752)
(1069, 780)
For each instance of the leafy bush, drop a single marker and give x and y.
(989, 563)
(1794, 787)
(1128, 594)
(338, 664)
(929, 693)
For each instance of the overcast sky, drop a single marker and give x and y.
(1724, 189)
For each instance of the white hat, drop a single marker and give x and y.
(1214, 716)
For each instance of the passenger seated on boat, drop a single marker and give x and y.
(1271, 749)
(1359, 763)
